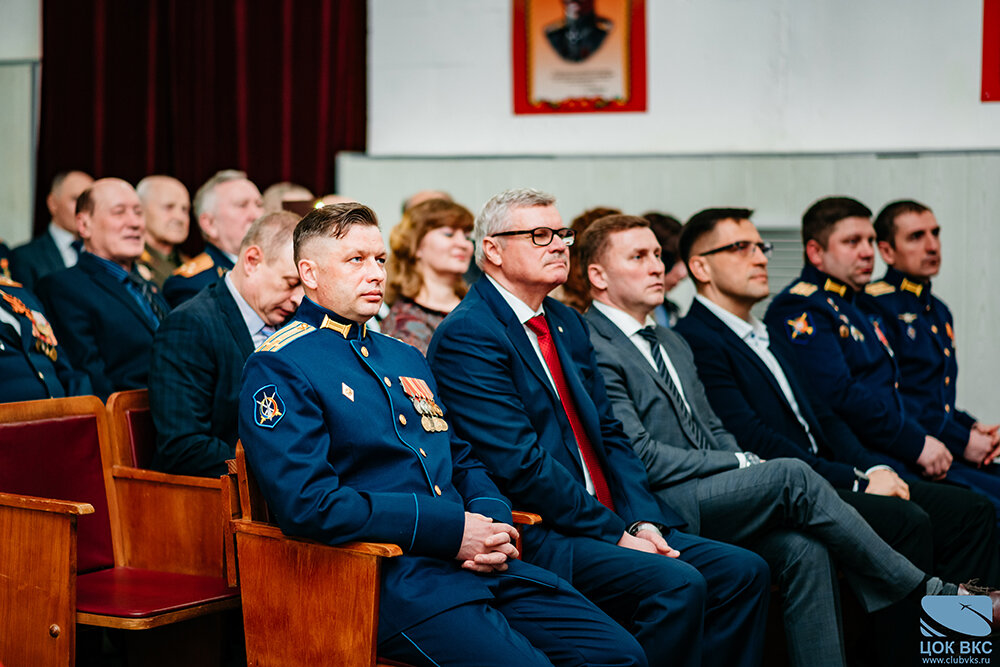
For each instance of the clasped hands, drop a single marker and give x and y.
(486, 545)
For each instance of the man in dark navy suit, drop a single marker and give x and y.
(348, 439)
(846, 353)
(200, 349)
(519, 375)
(103, 311)
(224, 206)
(57, 248)
(756, 388)
(921, 330)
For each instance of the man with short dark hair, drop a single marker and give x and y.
(58, 248)
(103, 311)
(167, 208)
(779, 508)
(518, 374)
(224, 206)
(347, 437)
(200, 349)
(921, 330)
(847, 356)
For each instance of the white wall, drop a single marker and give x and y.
(20, 52)
(725, 76)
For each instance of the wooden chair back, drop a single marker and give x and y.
(133, 435)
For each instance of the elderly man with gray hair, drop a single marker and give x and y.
(224, 206)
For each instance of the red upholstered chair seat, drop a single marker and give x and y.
(132, 593)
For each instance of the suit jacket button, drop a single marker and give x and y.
(402, 420)
(437, 489)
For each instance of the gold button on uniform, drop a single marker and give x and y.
(423, 453)
(947, 352)
(364, 351)
(947, 408)
(437, 489)
(402, 420)
(896, 385)
(387, 381)
(41, 376)
(934, 328)
(947, 380)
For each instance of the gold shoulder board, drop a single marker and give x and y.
(879, 288)
(202, 262)
(284, 336)
(803, 288)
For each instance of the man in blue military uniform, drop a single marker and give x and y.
(920, 329)
(225, 206)
(347, 438)
(847, 355)
(32, 365)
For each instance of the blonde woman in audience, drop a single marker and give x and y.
(430, 252)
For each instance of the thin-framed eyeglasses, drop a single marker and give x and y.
(542, 236)
(743, 248)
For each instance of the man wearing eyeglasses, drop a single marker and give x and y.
(847, 356)
(518, 375)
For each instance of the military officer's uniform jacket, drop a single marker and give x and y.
(32, 365)
(347, 437)
(849, 360)
(921, 331)
(191, 277)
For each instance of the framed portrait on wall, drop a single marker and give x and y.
(579, 56)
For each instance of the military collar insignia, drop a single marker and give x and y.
(341, 328)
(908, 318)
(431, 416)
(5, 271)
(268, 406)
(832, 285)
(909, 286)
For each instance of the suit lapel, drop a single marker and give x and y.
(115, 288)
(233, 317)
(50, 251)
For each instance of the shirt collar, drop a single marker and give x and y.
(115, 269)
(740, 327)
(62, 238)
(251, 319)
(621, 319)
(522, 311)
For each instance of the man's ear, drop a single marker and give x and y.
(254, 257)
(699, 269)
(307, 273)
(598, 277)
(50, 202)
(491, 251)
(207, 224)
(814, 252)
(888, 252)
(83, 225)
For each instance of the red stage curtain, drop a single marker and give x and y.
(273, 87)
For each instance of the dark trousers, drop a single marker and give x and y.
(524, 625)
(707, 607)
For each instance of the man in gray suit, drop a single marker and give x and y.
(781, 508)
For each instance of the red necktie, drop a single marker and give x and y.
(540, 326)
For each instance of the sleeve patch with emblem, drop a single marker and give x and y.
(800, 328)
(269, 408)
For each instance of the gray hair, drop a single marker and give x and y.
(494, 217)
(145, 185)
(204, 199)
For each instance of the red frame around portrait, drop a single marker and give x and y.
(991, 51)
(634, 68)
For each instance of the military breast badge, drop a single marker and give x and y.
(431, 415)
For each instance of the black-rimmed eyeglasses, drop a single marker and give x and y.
(542, 236)
(743, 248)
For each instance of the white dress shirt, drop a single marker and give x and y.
(254, 323)
(523, 313)
(64, 244)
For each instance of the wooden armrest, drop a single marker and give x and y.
(45, 504)
(368, 548)
(128, 472)
(526, 518)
